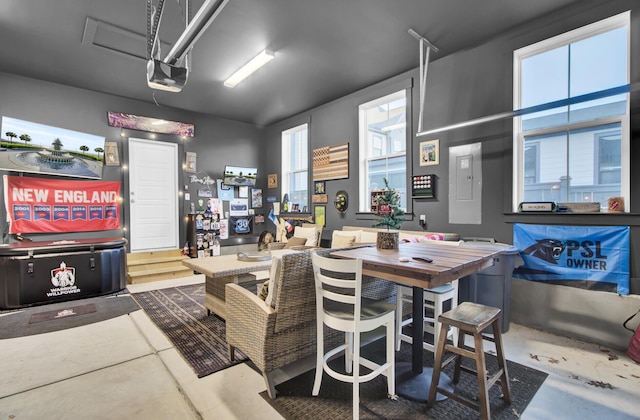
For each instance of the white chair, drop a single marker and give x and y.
(433, 304)
(340, 306)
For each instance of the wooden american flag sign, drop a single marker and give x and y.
(331, 162)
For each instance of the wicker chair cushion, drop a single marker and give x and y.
(334, 236)
(309, 233)
(291, 242)
(264, 290)
(274, 276)
(342, 241)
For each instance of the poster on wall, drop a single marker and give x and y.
(43, 149)
(225, 192)
(586, 257)
(36, 205)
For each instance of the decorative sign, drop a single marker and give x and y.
(51, 205)
(423, 186)
(331, 162)
(225, 192)
(587, 257)
(320, 215)
(241, 225)
(190, 162)
(153, 125)
(111, 156)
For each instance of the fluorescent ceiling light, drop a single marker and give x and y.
(245, 71)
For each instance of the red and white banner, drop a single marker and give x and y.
(51, 205)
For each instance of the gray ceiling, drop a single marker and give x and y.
(325, 49)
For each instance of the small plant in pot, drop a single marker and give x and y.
(389, 215)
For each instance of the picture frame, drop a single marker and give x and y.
(111, 156)
(429, 152)
(272, 181)
(319, 187)
(256, 198)
(319, 198)
(190, 162)
(319, 213)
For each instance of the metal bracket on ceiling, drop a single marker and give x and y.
(194, 28)
(425, 49)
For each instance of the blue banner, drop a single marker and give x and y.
(588, 257)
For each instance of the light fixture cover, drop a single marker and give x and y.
(245, 71)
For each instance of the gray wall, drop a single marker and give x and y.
(217, 141)
(472, 84)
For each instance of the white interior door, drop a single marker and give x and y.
(153, 195)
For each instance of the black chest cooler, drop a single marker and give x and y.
(36, 273)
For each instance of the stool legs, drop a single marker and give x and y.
(483, 389)
(478, 355)
(502, 362)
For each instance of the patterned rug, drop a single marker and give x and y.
(180, 313)
(294, 400)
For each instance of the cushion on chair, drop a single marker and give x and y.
(368, 237)
(264, 290)
(291, 242)
(355, 234)
(342, 241)
(274, 277)
(310, 234)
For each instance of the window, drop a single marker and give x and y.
(571, 133)
(295, 165)
(383, 146)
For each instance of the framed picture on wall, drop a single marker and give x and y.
(256, 198)
(272, 181)
(190, 162)
(111, 157)
(319, 187)
(319, 213)
(430, 152)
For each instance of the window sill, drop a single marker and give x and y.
(595, 219)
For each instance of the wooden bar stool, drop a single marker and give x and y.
(471, 318)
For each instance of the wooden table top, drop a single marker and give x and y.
(450, 262)
(229, 265)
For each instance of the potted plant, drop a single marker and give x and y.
(388, 214)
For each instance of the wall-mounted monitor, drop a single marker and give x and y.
(240, 175)
(37, 148)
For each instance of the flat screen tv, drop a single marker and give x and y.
(240, 175)
(37, 148)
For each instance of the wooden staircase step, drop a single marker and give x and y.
(154, 274)
(149, 266)
(153, 260)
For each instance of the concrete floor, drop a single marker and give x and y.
(126, 368)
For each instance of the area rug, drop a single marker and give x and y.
(59, 316)
(294, 400)
(180, 313)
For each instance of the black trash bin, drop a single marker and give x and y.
(492, 286)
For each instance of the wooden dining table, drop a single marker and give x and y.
(447, 263)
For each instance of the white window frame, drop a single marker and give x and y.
(364, 202)
(286, 171)
(614, 22)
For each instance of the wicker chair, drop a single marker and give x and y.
(282, 336)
